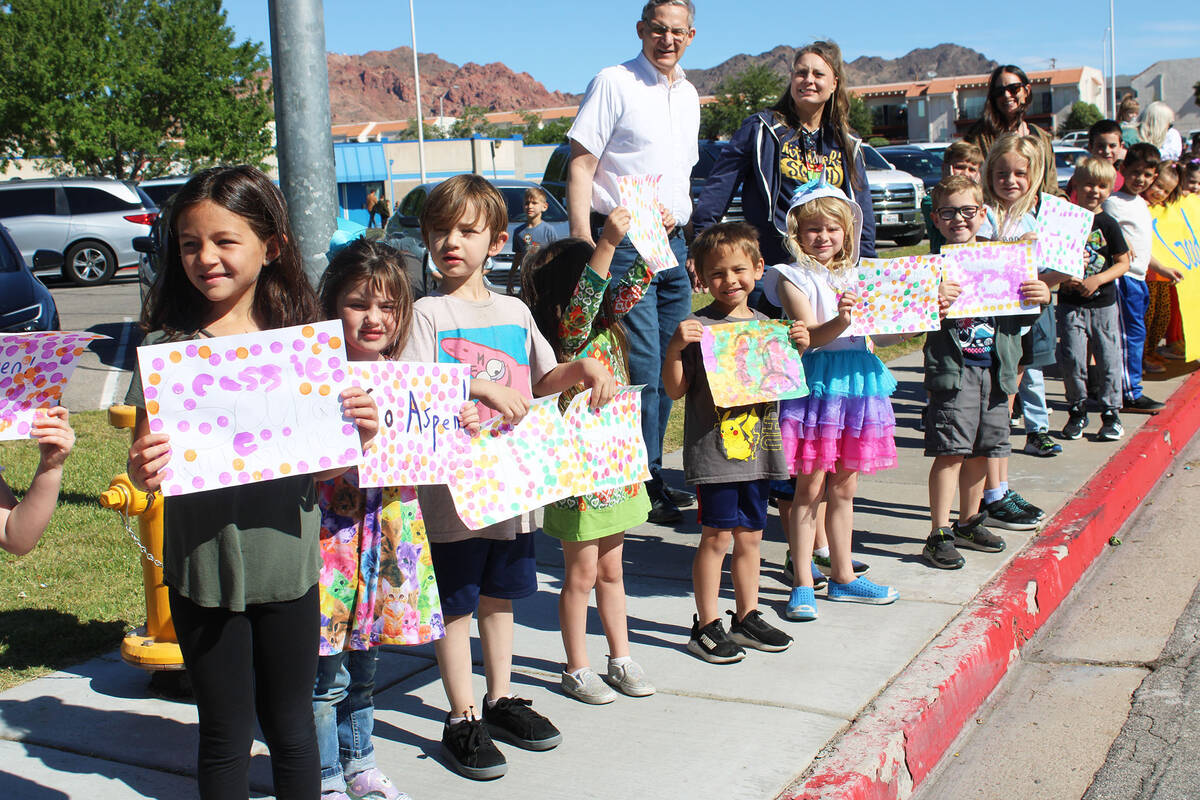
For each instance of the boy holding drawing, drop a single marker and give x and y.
(970, 369)
(1088, 320)
(464, 222)
(731, 454)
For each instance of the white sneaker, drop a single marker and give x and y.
(629, 679)
(587, 688)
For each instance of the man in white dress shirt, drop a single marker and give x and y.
(642, 117)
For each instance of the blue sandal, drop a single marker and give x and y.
(861, 590)
(802, 605)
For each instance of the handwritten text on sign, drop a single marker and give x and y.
(34, 370)
(419, 433)
(251, 407)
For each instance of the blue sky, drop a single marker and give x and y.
(562, 44)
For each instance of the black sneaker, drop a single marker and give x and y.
(1026, 506)
(1006, 513)
(1040, 444)
(819, 579)
(1143, 405)
(1077, 421)
(469, 749)
(512, 720)
(972, 535)
(663, 511)
(682, 498)
(753, 631)
(713, 644)
(1111, 429)
(939, 550)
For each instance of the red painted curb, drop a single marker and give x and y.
(895, 743)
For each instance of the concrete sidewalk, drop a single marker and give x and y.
(743, 731)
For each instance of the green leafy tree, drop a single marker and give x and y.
(472, 121)
(130, 88)
(1083, 116)
(534, 131)
(739, 96)
(861, 118)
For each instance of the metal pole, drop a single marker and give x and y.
(303, 127)
(1112, 51)
(417, 80)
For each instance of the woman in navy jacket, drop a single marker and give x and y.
(780, 148)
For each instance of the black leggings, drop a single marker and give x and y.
(263, 659)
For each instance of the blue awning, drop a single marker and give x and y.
(359, 162)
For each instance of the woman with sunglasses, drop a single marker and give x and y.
(1009, 95)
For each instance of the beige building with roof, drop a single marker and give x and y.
(941, 109)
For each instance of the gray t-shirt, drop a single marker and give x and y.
(240, 545)
(500, 341)
(528, 240)
(726, 445)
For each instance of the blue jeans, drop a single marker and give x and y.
(649, 326)
(345, 715)
(1132, 297)
(1033, 400)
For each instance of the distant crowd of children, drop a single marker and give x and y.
(282, 591)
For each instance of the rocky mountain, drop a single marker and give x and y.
(944, 59)
(379, 86)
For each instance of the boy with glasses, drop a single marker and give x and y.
(1087, 309)
(960, 158)
(970, 369)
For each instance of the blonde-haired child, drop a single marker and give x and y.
(846, 424)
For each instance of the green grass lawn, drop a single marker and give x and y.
(80, 589)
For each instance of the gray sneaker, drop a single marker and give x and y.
(628, 678)
(587, 688)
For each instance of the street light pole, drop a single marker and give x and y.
(1112, 51)
(417, 80)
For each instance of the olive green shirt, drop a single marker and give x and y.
(240, 545)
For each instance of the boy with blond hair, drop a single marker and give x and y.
(464, 222)
(961, 158)
(1088, 320)
(970, 370)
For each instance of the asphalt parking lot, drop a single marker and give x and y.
(102, 376)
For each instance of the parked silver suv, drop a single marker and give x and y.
(91, 221)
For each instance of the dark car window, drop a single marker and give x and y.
(160, 193)
(86, 200)
(709, 152)
(873, 159)
(9, 257)
(26, 201)
(556, 167)
(514, 199)
(918, 164)
(1066, 160)
(413, 203)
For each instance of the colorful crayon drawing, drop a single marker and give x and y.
(639, 194)
(751, 362)
(34, 370)
(990, 275)
(608, 443)
(897, 295)
(419, 436)
(513, 469)
(1177, 245)
(251, 407)
(1062, 231)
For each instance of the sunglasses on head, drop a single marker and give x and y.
(948, 213)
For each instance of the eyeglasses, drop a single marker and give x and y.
(1011, 88)
(948, 213)
(659, 31)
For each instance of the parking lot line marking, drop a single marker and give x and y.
(108, 393)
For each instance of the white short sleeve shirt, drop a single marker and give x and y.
(636, 121)
(1133, 215)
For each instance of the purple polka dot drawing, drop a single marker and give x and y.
(157, 363)
(198, 482)
(191, 351)
(255, 349)
(150, 393)
(298, 344)
(156, 425)
(276, 347)
(243, 477)
(225, 478)
(177, 388)
(222, 422)
(183, 426)
(231, 355)
(322, 337)
(348, 428)
(338, 375)
(265, 434)
(205, 428)
(23, 428)
(301, 467)
(267, 475)
(325, 462)
(189, 404)
(287, 431)
(214, 359)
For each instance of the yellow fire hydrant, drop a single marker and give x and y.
(153, 647)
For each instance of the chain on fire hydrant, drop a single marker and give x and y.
(153, 647)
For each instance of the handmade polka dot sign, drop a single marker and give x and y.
(419, 436)
(989, 275)
(252, 407)
(898, 295)
(34, 370)
(607, 442)
(1062, 233)
(639, 194)
(513, 469)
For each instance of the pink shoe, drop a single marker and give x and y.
(372, 784)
